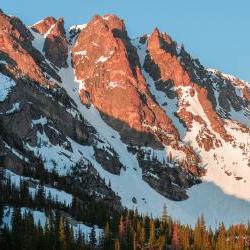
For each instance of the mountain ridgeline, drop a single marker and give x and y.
(92, 120)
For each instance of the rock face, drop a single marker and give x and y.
(16, 46)
(165, 67)
(56, 44)
(109, 161)
(107, 64)
(44, 25)
(15, 41)
(171, 182)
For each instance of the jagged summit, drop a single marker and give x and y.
(132, 122)
(44, 25)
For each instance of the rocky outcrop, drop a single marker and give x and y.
(108, 66)
(164, 65)
(171, 182)
(16, 43)
(225, 92)
(44, 25)
(34, 103)
(11, 40)
(107, 63)
(56, 44)
(108, 160)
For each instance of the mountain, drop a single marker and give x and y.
(117, 122)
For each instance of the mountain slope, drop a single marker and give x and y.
(138, 122)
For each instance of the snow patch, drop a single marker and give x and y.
(6, 84)
(102, 59)
(42, 121)
(81, 53)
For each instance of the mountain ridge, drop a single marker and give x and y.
(147, 114)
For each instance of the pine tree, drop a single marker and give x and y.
(142, 236)
(185, 238)
(1, 212)
(107, 237)
(61, 233)
(175, 237)
(117, 245)
(40, 196)
(199, 233)
(164, 217)
(16, 225)
(121, 228)
(134, 241)
(221, 239)
(92, 238)
(152, 232)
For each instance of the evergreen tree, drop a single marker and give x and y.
(107, 237)
(40, 196)
(175, 237)
(61, 233)
(16, 225)
(152, 232)
(164, 214)
(142, 236)
(92, 238)
(199, 234)
(121, 228)
(116, 245)
(1, 212)
(221, 240)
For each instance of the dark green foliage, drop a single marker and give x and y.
(123, 230)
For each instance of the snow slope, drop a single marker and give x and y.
(6, 84)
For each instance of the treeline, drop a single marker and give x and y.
(133, 232)
(23, 233)
(123, 230)
(91, 212)
(137, 232)
(82, 206)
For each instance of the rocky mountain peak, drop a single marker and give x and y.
(108, 65)
(58, 28)
(56, 44)
(112, 22)
(16, 42)
(44, 25)
(158, 40)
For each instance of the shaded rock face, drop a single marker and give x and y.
(109, 161)
(170, 182)
(164, 66)
(56, 45)
(229, 97)
(35, 103)
(107, 63)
